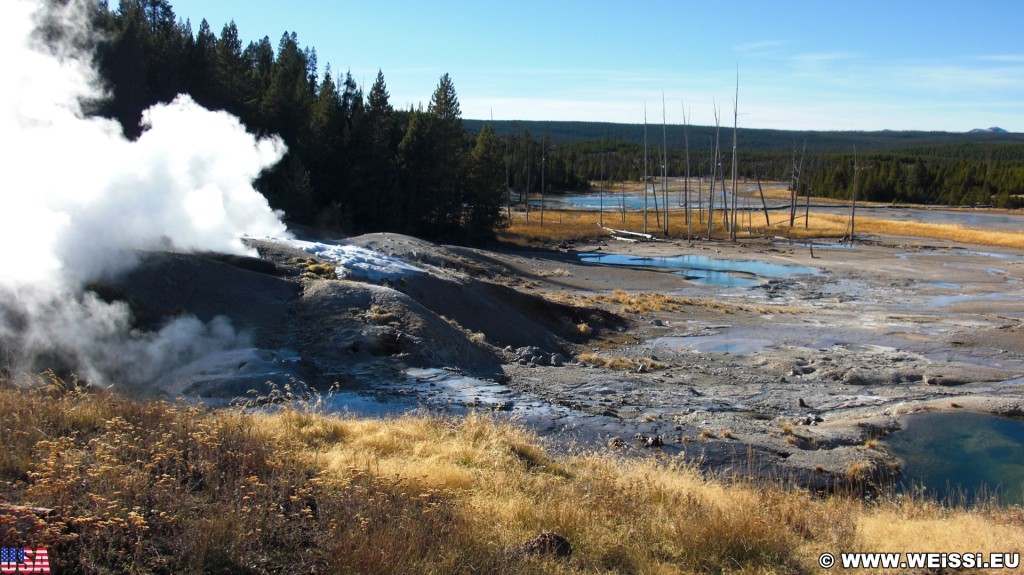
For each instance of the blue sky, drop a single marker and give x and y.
(825, 65)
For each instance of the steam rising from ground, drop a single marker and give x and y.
(79, 200)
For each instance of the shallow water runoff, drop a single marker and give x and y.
(961, 457)
(702, 269)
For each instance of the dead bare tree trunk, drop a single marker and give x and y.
(601, 208)
(799, 174)
(853, 205)
(686, 203)
(792, 188)
(764, 204)
(664, 162)
(645, 167)
(714, 180)
(807, 209)
(735, 169)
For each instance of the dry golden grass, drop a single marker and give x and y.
(919, 526)
(557, 272)
(837, 224)
(646, 302)
(651, 302)
(858, 470)
(152, 487)
(568, 225)
(619, 362)
(475, 337)
(377, 315)
(561, 225)
(317, 269)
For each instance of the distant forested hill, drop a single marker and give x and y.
(754, 140)
(943, 168)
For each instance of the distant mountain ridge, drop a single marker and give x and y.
(750, 139)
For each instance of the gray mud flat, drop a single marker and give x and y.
(808, 370)
(793, 375)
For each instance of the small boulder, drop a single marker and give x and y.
(548, 543)
(652, 441)
(617, 442)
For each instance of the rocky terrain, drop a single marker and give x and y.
(795, 377)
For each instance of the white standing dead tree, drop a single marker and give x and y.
(735, 168)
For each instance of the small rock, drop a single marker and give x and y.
(548, 543)
(652, 441)
(801, 403)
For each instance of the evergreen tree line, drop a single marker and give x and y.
(952, 175)
(357, 164)
(918, 180)
(918, 167)
(354, 162)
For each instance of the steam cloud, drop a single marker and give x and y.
(79, 199)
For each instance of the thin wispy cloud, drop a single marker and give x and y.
(1005, 58)
(822, 62)
(823, 58)
(761, 47)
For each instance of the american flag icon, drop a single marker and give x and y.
(24, 560)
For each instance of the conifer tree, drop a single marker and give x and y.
(445, 117)
(486, 185)
(379, 158)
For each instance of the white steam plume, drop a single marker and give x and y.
(78, 199)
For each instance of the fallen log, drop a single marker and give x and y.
(629, 233)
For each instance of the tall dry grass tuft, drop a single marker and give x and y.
(619, 362)
(156, 487)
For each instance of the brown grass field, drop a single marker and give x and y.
(156, 487)
(574, 225)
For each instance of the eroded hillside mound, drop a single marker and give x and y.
(319, 312)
